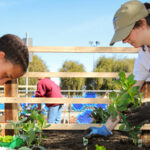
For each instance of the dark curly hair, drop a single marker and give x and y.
(15, 50)
(138, 23)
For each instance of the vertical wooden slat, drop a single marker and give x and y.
(146, 133)
(11, 110)
(146, 89)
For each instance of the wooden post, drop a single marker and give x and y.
(146, 89)
(11, 110)
(146, 134)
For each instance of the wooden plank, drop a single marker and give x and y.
(54, 100)
(57, 126)
(56, 49)
(70, 126)
(6, 126)
(84, 126)
(146, 100)
(11, 110)
(29, 86)
(74, 74)
(58, 100)
(146, 127)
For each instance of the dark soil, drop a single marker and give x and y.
(73, 140)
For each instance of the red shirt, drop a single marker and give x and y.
(48, 88)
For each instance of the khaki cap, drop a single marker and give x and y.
(126, 17)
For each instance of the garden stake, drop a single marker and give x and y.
(139, 142)
(85, 142)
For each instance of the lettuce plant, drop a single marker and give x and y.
(6, 138)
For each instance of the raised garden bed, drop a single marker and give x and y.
(73, 140)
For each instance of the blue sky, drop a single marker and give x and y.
(62, 23)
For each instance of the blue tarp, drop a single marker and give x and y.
(84, 118)
(80, 107)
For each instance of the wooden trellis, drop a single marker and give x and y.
(11, 100)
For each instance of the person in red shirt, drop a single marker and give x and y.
(48, 88)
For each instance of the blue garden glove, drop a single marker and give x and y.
(102, 131)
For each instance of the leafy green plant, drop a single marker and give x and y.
(41, 124)
(7, 138)
(128, 97)
(100, 147)
(24, 148)
(32, 129)
(28, 129)
(99, 115)
(18, 125)
(11, 141)
(29, 133)
(0, 128)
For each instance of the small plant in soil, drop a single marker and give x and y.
(28, 129)
(18, 125)
(100, 147)
(128, 98)
(99, 115)
(32, 129)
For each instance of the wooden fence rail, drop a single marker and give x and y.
(58, 100)
(46, 49)
(70, 126)
(74, 74)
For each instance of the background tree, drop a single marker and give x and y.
(109, 65)
(37, 65)
(72, 83)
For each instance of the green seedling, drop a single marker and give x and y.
(24, 148)
(99, 115)
(29, 129)
(129, 97)
(18, 125)
(85, 142)
(100, 147)
(32, 129)
(41, 124)
(29, 133)
(0, 128)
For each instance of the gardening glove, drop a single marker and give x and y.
(140, 116)
(102, 131)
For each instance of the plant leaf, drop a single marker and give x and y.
(24, 148)
(113, 96)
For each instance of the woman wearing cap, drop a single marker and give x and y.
(132, 25)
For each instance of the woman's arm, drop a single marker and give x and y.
(111, 123)
(139, 83)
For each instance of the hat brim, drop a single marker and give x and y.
(121, 34)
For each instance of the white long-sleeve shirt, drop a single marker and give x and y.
(141, 69)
